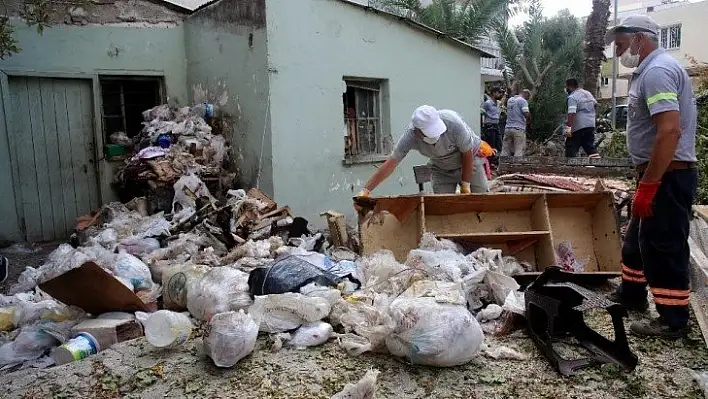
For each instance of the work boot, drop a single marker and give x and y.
(655, 328)
(633, 305)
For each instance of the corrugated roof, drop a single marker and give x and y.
(193, 5)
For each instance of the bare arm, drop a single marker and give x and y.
(385, 170)
(571, 119)
(668, 132)
(467, 166)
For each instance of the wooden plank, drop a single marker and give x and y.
(606, 235)
(575, 226)
(541, 220)
(562, 170)
(496, 238)
(421, 220)
(40, 159)
(479, 222)
(575, 200)
(563, 161)
(80, 162)
(65, 160)
(53, 172)
(25, 157)
(12, 213)
(450, 204)
(87, 127)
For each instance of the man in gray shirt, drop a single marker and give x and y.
(661, 139)
(517, 116)
(580, 125)
(451, 146)
(490, 119)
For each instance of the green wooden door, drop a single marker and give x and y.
(51, 135)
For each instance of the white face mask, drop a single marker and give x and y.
(628, 59)
(431, 140)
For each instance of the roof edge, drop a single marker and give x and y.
(425, 28)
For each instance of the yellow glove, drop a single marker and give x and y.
(465, 188)
(568, 131)
(486, 151)
(364, 193)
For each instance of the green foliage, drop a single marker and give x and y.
(615, 146)
(702, 154)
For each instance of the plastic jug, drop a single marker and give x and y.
(164, 328)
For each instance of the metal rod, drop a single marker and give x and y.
(614, 76)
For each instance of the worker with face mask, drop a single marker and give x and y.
(456, 154)
(661, 139)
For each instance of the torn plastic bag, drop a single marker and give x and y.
(491, 312)
(311, 334)
(498, 352)
(34, 341)
(187, 189)
(134, 270)
(500, 285)
(222, 289)
(315, 290)
(433, 334)
(365, 388)
(442, 265)
(288, 274)
(283, 312)
(139, 246)
(431, 243)
(232, 336)
(26, 312)
(99, 254)
(60, 261)
(372, 323)
(381, 273)
(441, 291)
(515, 302)
(154, 226)
(567, 260)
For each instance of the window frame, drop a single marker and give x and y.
(378, 88)
(665, 37)
(121, 80)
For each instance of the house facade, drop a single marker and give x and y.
(315, 92)
(682, 34)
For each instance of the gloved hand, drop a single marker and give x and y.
(486, 151)
(365, 193)
(568, 131)
(465, 188)
(643, 199)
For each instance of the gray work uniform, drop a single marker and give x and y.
(446, 155)
(515, 130)
(582, 104)
(660, 84)
(491, 112)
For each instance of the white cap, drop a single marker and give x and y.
(633, 24)
(427, 119)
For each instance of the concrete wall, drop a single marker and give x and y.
(87, 49)
(312, 45)
(227, 65)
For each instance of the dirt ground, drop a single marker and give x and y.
(22, 256)
(136, 370)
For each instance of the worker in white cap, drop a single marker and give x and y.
(661, 140)
(456, 154)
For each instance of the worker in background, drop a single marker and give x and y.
(661, 139)
(517, 118)
(580, 125)
(456, 153)
(490, 119)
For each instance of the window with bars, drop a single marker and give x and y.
(670, 37)
(364, 117)
(123, 100)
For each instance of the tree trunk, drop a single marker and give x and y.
(595, 43)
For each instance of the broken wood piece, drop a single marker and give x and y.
(284, 209)
(269, 204)
(86, 221)
(337, 228)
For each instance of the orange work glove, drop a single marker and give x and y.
(643, 199)
(486, 151)
(465, 188)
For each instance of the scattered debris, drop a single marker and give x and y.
(232, 336)
(363, 389)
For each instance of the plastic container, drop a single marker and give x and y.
(80, 347)
(164, 328)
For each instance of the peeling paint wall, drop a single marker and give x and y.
(89, 50)
(312, 45)
(227, 65)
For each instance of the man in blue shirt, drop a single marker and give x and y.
(517, 118)
(490, 119)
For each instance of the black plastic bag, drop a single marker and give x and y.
(288, 274)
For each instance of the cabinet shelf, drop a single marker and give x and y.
(497, 238)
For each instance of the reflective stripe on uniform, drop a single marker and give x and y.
(669, 297)
(525, 109)
(573, 109)
(633, 276)
(668, 96)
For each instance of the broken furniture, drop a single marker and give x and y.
(526, 226)
(554, 310)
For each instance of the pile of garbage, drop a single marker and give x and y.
(173, 143)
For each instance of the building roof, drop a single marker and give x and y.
(193, 5)
(417, 25)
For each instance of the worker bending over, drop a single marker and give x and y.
(661, 139)
(451, 146)
(580, 125)
(517, 118)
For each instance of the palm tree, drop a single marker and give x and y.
(595, 29)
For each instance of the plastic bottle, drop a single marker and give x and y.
(164, 328)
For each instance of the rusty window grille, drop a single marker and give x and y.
(362, 119)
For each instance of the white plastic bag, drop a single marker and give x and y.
(177, 281)
(500, 285)
(365, 388)
(153, 226)
(442, 265)
(63, 259)
(282, 312)
(187, 189)
(441, 291)
(491, 312)
(232, 336)
(134, 270)
(372, 323)
(380, 272)
(137, 246)
(26, 312)
(433, 334)
(165, 329)
(515, 303)
(317, 291)
(222, 289)
(311, 334)
(33, 341)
